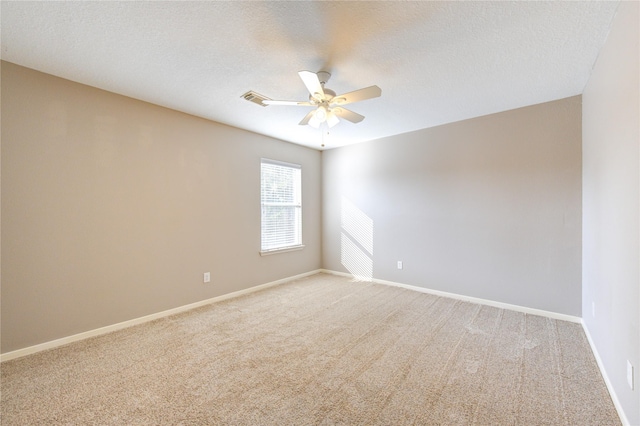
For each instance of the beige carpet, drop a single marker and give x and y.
(318, 351)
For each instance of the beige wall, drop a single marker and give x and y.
(488, 207)
(113, 208)
(611, 206)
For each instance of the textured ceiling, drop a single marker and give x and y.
(436, 62)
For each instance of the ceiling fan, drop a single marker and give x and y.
(329, 107)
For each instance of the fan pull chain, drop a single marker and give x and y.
(322, 132)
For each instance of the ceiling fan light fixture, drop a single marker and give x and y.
(332, 119)
(314, 122)
(321, 114)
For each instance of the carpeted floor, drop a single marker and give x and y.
(320, 350)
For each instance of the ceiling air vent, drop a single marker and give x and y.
(256, 98)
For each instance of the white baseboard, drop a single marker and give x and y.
(612, 393)
(119, 326)
(518, 308)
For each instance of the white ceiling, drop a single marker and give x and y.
(436, 62)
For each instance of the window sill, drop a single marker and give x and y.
(281, 250)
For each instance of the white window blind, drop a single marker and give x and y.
(281, 199)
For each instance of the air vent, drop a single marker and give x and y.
(256, 98)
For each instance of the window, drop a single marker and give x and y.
(281, 199)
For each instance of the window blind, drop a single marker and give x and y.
(281, 200)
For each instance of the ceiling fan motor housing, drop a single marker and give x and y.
(328, 96)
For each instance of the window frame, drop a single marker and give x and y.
(297, 204)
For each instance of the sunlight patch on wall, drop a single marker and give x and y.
(356, 241)
(357, 224)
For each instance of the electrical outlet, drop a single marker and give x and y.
(207, 277)
(630, 374)
(399, 264)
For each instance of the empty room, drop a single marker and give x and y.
(309, 212)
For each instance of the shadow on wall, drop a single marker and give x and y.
(356, 241)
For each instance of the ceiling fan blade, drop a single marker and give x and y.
(357, 95)
(306, 118)
(312, 83)
(295, 103)
(348, 115)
